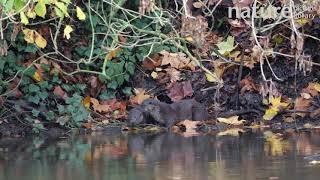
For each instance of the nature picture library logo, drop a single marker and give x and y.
(298, 10)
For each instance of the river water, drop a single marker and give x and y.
(101, 156)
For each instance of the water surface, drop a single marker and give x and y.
(101, 156)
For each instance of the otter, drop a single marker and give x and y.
(154, 111)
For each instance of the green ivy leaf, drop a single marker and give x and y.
(33, 88)
(130, 68)
(35, 113)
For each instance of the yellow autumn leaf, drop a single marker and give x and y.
(80, 14)
(302, 21)
(189, 38)
(66, 32)
(40, 41)
(24, 18)
(270, 113)
(28, 35)
(231, 132)
(233, 120)
(112, 54)
(276, 102)
(317, 86)
(154, 75)
(212, 77)
(31, 14)
(86, 102)
(37, 76)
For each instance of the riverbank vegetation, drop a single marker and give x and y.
(70, 63)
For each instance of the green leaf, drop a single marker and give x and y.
(226, 46)
(33, 88)
(107, 94)
(127, 91)
(63, 7)
(40, 8)
(35, 112)
(58, 12)
(130, 68)
(18, 5)
(34, 99)
(24, 18)
(113, 85)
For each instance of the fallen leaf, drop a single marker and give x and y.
(315, 114)
(140, 96)
(242, 3)
(59, 91)
(150, 63)
(37, 76)
(154, 75)
(97, 107)
(28, 35)
(66, 32)
(212, 77)
(86, 102)
(248, 84)
(302, 104)
(231, 132)
(226, 46)
(233, 120)
(180, 90)
(87, 125)
(270, 114)
(313, 89)
(276, 102)
(176, 60)
(39, 40)
(308, 126)
(190, 127)
(174, 74)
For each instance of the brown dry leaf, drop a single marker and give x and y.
(97, 107)
(87, 125)
(93, 81)
(302, 104)
(315, 114)
(248, 84)
(114, 104)
(242, 3)
(311, 89)
(180, 90)
(59, 91)
(56, 68)
(233, 120)
(176, 60)
(190, 126)
(231, 132)
(150, 63)
(140, 96)
(195, 28)
(174, 74)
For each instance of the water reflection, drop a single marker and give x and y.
(161, 156)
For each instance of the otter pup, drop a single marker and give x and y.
(167, 114)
